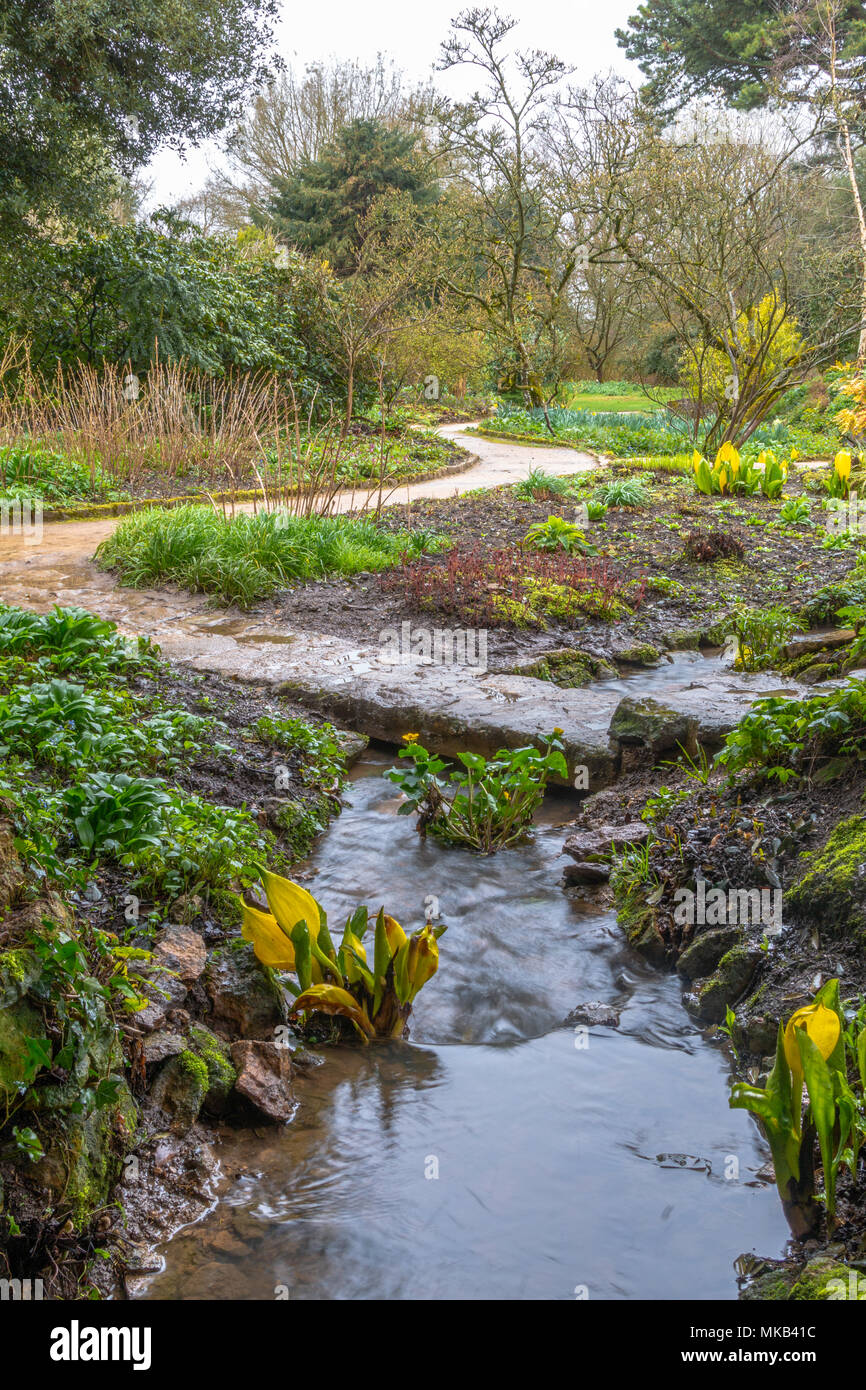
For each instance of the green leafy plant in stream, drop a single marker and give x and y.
(245, 557)
(485, 804)
(812, 1049)
(760, 633)
(557, 534)
(780, 737)
(377, 994)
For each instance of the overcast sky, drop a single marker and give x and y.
(580, 32)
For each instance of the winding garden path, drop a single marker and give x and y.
(451, 706)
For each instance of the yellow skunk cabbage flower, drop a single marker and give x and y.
(723, 480)
(270, 932)
(822, 1026)
(842, 465)
(728, 454)
(697, 460)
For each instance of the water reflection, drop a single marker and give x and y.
(520, 1167)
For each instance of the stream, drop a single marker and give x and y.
(498, 1154)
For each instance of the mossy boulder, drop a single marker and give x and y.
(710, 998)
(640, 654)
(85, 1152)
(19, 971)
(180, 1088)
(704, 953)
(216, 1055)
(652, 726)
(826, 1278)
(570, 668)
(18, 1022)
(831, 890)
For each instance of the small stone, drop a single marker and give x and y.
(264, 1078)
(595, 1015)
(182, 950)
(603, 839)
(162, 1044)
(586, 873)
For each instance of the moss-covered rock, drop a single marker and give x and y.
(180, 1088)
(18, 1022)
(826, 1278)
(19, 971)
(831, 890)
(216, 1055)
(640, 654)
(703, 954)
(710, 998)
(647, 723)
(570, 668)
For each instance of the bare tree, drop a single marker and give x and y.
(293, 120)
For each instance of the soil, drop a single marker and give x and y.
(779, 565)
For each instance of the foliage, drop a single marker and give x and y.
(537, 485)
(338, 981)
(491, 801)
(625, 492)
(557, 534)
(817, 1047)
(32, 470)
(82, 90)
(323, 202)
(781, 737)
(245, 558)
(321, 756)
(71, 639)
(514, 587)
(760, 632)
(732, 473)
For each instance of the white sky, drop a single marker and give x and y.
(581, 32)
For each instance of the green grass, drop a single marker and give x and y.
(247, 557)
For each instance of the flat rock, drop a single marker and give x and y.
(162, 1044)
(182, 950)
(586, 873)
(818, 641)
(264, 1078)
(648, 724)
(594, 1015)
(603, 839)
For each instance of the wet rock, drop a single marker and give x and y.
(215, 1052)
(264, 1078)
(182, 950)
(162, 1044)
(603, 839)
(818, 641)
(571, 668)
(639, 654)
(595, 1015)
(709, 999)
(246, 1000)
(352, 745)
(647, 724)
(180, 1088)
(702, 955)
(164, 990)
(586, 873)
(19, 970)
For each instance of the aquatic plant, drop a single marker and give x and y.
(489, 803)
(376, 997)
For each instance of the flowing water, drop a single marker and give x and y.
(498, 1154)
